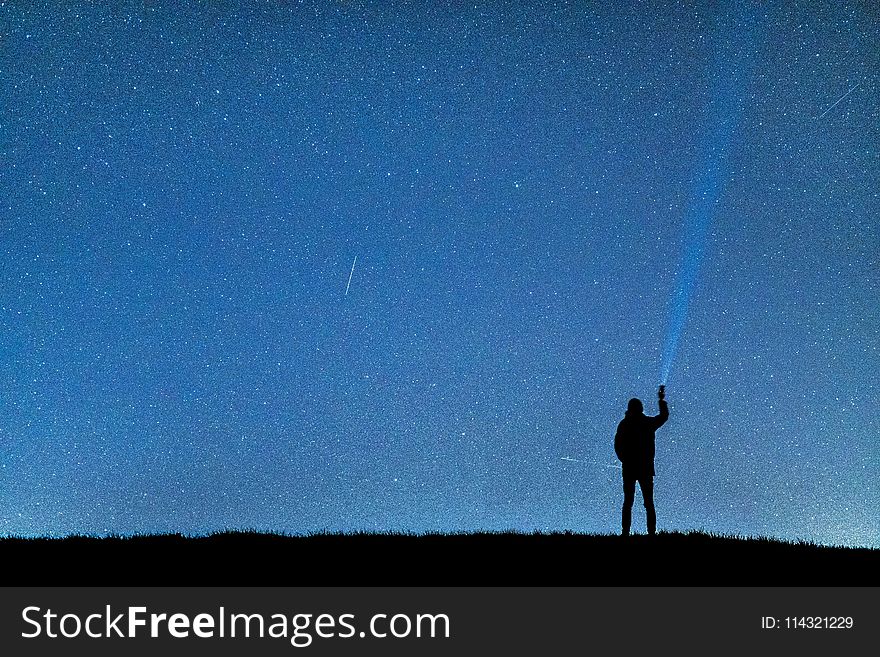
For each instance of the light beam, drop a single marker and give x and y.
(728, 74)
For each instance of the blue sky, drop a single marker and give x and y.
(186, 185)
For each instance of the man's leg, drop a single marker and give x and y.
(647, 486)
(629, 494)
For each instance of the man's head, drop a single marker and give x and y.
(635, 406)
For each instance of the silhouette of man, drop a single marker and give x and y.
(634, 445)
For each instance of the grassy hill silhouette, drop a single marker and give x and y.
(252, 558)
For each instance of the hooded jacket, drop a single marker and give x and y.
(634, 441)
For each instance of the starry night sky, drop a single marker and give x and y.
(185, 187)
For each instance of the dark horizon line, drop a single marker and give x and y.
(244, 532)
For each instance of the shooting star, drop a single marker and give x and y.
(350, 275)
(838, 100)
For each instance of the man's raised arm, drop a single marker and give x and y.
(664, 408)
